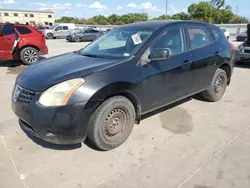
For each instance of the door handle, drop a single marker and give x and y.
(186, 63)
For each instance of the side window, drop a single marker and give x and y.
(94, 31)
(172, 38)
(215, 33)
(65, 28)
(59, 28)
(198, 36)
(23, 30)
(8, 29)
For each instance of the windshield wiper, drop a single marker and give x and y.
(92, 55)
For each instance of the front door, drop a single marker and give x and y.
(7, 41)
(58, 32)
(166, 81)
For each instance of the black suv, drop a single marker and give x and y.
(100, 91)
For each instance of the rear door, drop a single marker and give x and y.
(204, 55)
(8, 41)
(65, 31)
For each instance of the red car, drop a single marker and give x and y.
(21, 42)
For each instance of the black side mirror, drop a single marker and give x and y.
(159, 54)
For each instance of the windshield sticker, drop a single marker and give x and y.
(136, 39)
(126, 54)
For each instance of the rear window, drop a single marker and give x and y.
(23, 30)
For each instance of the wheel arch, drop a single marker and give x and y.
(26, 46)
(227, 68)
(118, 89)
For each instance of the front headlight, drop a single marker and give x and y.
(59, 94)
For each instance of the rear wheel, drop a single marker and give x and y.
(112, 123)
(217, 87)
(49, 36)
(29, 55)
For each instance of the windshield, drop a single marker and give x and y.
(77, 32)
(120, 42)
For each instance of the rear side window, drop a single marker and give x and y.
(65, 28)
(23, 30)
(198, 35)
(215, 33)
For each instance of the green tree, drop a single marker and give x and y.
(181, 16)
(202, 11)
(112, 19)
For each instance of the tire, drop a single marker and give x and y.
(112, 123)
(49, 36)
(77, 39)
(29, 55)
(217, 87)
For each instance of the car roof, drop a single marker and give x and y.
(159, 23)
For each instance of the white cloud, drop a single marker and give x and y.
(98, 6)
(80, 5)
(38, 4)
(119, 7)
(132, 5)
(146, 5)
(65, 6)
(173, 9)
(9, 2)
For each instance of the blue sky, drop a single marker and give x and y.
(89, 8)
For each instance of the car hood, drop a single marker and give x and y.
(48, 30)
(48, 72)
(243, 34)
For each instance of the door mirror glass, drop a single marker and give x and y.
(159, 54)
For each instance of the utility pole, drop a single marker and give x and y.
(166, 13)
(237, 10)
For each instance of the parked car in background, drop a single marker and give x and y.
(59, 31)
(84, 35)
(41, 28)
(22, 42)
(226, 32)
(100, 91)
(242, 36)
(243, 50)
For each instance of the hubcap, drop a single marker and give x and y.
(219, 85)
(114, 124)
(31, 56)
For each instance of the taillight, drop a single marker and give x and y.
(232, 46)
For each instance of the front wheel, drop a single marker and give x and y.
(49, 36)
(112, 123)
(217, 87)
(29, 55)
(77, 39)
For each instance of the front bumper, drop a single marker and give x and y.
(59, 125)
(242, 57)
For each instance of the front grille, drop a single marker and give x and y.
(22, 96)
(247, 51)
